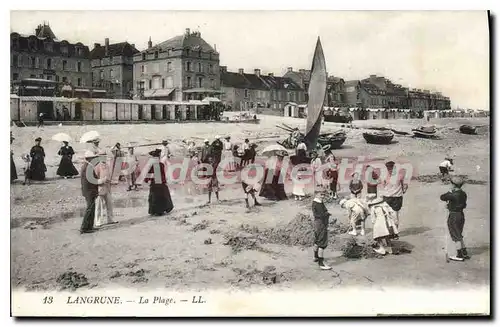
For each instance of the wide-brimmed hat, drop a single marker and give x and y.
(38, 139)
(206, 141)
(457, 181)
(155, 153)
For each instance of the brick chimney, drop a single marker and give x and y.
(290, 69)
(257, 72)
(106, 46)
(240, 71)
(97, 45)
(150, 44)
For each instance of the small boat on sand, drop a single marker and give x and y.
(378, 137)
(467, 129)
(427, 132)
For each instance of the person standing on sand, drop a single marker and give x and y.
(316, 166)
(321, 217)
(117, 163)
(89, 192)
(395, 188)
(217, 148)
(372, 183)
(13, 170)
(205, 151)
(228, 154)
(132, 166)
(332, 174)
(66, 168)
(104, 202)
(456, 202)
(40, 120)
(384, 226)
(355, 186)
(213, 184)
(160, 201)
(37, 166)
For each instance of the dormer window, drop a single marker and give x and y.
(156, 54)
(64, 50)
(48, 46)
(144, 56)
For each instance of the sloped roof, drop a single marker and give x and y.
(192, 41)
(334, 79)
(45, 31)
(116, 49)
(372, 88)
(281, 83)
(242, 81)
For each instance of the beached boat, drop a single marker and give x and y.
(378, 137)
(424, 132)
(467, 129)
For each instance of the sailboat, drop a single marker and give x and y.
(317, 93)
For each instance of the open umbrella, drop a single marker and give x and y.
(89, 137)
(273, 150)
(61, 137)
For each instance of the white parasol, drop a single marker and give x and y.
(273, 150)
(61, 137)
(89, 137)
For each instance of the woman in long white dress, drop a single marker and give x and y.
(103, 202)
(384, 227)
(230, 165)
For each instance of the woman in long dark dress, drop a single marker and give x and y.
(66, 168)
(159, 199)
(276, 190)
(13, 171)
(37, 168)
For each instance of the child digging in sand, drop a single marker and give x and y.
(321, 216)
(358, 211)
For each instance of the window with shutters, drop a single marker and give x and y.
(143, 56)
(79, 66)
(169, 66)
(156, 82)
(49, 63)
(101, 75)
(188, 81)
(162, 83)
(188, 66)
(64, 65)
(200, 67)
(37, 62)
(156, 54)
(150, 84)
(79, 82)
(15, 60)
(57, 78)
(246, 93)
(210, 68)
(200, 82)
(111, 74)
(32, 62)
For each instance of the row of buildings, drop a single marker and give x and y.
(186, 68)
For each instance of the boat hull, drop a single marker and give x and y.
(377, 139)
(465, 129)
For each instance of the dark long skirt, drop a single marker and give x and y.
(13, 171)
(66, 167)
(159, 200)
(274, 191)
(37, 170)
(89, 216)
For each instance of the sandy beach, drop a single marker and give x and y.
(186, 249)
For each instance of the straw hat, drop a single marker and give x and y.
(457, 181)
(206, 141)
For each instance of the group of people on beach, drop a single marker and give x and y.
(383, 210)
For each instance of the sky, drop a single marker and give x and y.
(446, 51)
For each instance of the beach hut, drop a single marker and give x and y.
(291, 109)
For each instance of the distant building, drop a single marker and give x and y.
(364, 95)
(396, 95)
(243, 91)
(184, 67)
(42, 56)
(113, 68)
(334, 86)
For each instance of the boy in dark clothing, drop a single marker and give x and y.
(321, 216)
(457, 202)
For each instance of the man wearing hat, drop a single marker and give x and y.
(457, 202)
(89, 191)
(394, 189)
